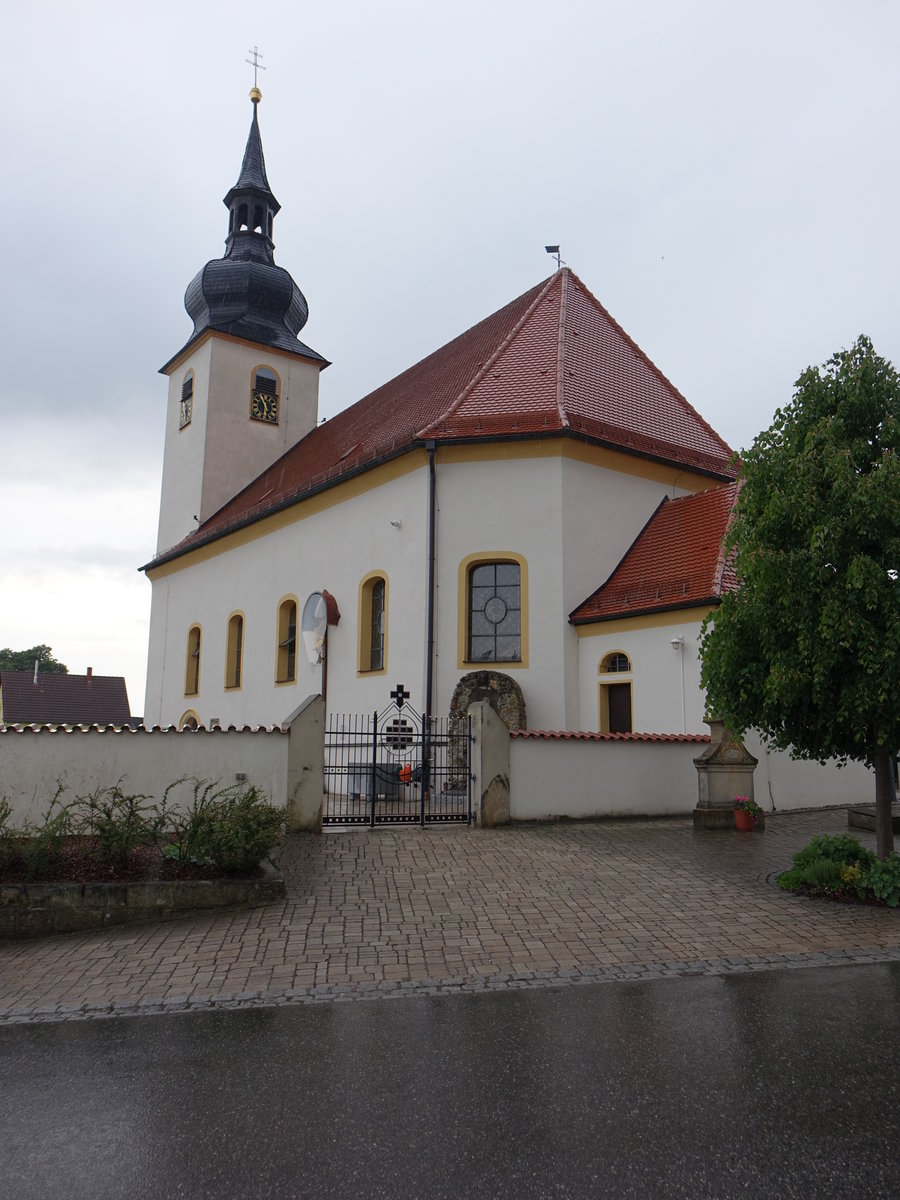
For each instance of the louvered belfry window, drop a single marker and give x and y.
(265, 383)
(185, 408)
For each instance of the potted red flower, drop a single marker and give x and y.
(745, 813)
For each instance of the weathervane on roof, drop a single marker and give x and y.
(255, 93)
(554, 250)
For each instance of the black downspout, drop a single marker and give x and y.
(429, 633)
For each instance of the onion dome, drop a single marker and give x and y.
(245, 293)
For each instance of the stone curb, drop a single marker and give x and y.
(395, 989)
(30, 910)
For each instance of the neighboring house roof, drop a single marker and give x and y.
(677, 561)
(63, 699)
(552, 362)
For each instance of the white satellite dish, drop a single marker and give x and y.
(314, 626)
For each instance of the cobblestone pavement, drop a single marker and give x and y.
(400, 910)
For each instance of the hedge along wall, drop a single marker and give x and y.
(35, 760)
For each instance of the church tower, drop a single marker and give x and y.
(243, 389)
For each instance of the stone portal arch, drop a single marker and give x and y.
(501, 691)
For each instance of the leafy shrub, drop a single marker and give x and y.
(120, 823)
(185, 836)
(245, 830)
(7, 837)
(41, 845)
(841, 849)
(840, 864)
(822, 874)
(234, 829)
(883, 880)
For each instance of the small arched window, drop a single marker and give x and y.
(186, 405)
(373, 624)
(189, 720)
(234, 651)
(192, 663)
(242, 217)
(615, 663)
(286, 660)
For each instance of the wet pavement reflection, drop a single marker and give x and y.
(762, 1084)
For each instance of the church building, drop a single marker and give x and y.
(534, 503)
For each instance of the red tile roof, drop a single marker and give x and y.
(677, 561)
(63, 699)
(551, 362)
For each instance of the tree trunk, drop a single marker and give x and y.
(884, 795)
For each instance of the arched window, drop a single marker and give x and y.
(234, 651)
(494, 612)
(616, 698)
(242, 217)
(286, 657)
(373, 623)
(192, 662)
(186, 406)
(189, 720)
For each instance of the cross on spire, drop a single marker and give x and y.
(255, 63)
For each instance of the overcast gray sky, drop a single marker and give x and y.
(724, 178)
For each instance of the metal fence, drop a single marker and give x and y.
(394, 768)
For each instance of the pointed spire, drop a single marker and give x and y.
(251, 205)
(253, 168)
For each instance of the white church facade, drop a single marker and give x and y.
(457, 516)
(534, 500)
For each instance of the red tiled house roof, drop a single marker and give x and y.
(63, 699)
(677, 561)
(553, 362)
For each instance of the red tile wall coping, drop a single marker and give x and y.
(564, 735)
(48, 728)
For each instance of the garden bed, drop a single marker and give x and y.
(114, 859)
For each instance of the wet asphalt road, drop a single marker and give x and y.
(777, 1084)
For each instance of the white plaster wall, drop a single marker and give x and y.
(331, 549)
(781, 782)
(509, 505)
(183, 452)
(34, 762)
(222, 450)
(655, 676)
(579, 779)
(603, 512)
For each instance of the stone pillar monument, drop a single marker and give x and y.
(724, 770)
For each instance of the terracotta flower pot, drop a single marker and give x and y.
(745, 821)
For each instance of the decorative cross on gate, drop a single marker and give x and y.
(400, 695)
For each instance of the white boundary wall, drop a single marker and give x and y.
(597, 775)
(35, 761)
(581, 775)
(782, 783)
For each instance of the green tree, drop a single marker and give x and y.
(807, 650)
(23, 660)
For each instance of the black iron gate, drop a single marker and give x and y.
(396, 768)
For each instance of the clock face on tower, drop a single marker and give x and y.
(264, 407)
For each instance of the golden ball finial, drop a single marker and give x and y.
(255, 95)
